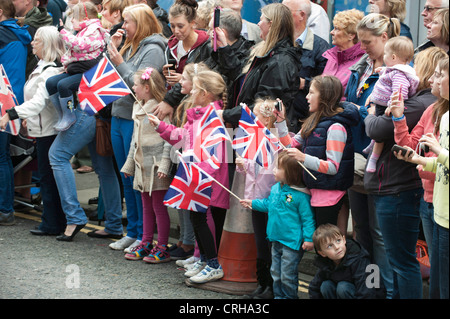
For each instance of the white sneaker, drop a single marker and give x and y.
(122, 243)
(131, 247)
(195, 269)
(185, 262)
(207, 274)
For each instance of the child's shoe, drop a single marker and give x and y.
(159, 254)
(207, 274)
(186, 262)
(196, 268)
(140, 252)
(122, 243)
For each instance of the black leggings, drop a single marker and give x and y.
(328, 214)
(203, 235)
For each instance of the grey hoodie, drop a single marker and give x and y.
(150, 53)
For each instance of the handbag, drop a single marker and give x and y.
(103, 137)
(422, 258)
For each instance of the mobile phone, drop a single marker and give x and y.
(398, 148)
(174, 64)
(216, 17)
(278, 106)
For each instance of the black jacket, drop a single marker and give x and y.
(352, 269)
(274, 75)
(393, 175)
(313, 64)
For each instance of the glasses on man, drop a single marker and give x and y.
(428, 8)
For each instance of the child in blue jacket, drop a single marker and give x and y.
(290, 226)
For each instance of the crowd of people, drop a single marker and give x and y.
(344, 105)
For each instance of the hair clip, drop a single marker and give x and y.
(266, 109)
(147, 73)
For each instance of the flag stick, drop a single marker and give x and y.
(303, 166)
(225, 188)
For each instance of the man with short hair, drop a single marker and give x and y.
(313, 63)
(29, 14)
(430, 8)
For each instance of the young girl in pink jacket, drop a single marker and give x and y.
(208, 87)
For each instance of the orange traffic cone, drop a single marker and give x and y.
(237, 251)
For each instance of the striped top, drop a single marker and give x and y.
(336, 139)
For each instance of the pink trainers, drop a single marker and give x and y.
(140, 251)
(159, 254)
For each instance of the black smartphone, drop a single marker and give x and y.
(398, 148)
(174, 64)
(216, 17)
(278, 106)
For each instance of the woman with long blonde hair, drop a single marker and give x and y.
(272, 68)
(143, 47)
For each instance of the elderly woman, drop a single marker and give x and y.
(347, 49)
(392, 9)
(40, 114)
(438, 30)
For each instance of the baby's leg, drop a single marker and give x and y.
(372, 164)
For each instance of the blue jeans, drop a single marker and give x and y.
(426, 215)
(53, 217)
(439, 264)
(64, 84)
(121, 134)
(6, 175)
(368, 234)
(66, 145)
(399, 220)
(284, 271)
(340, 290)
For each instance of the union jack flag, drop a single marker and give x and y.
(100, 86)
(190, 189)
(209, 135)
(253, 140)
(7, 101)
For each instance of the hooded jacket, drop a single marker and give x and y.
(150, 52)
(199, 52)
(13, 54)
(352, 268)
(291, 219)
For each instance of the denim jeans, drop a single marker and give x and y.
(439, 264)
(284, 271)
(64, 84)
(426, 216)
(368, 234)
(187, 236)
(399, 220)
(340, 290)
(121, 134)
(66, 145)
(6, 175)
(53, 217)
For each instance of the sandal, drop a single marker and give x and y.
(85, 169)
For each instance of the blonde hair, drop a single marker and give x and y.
(265, 107)
(397, 9)
(146, 25)
(425, 63)
(155, 82)
(117, 5)
(52, 42)
(401, 46)
(85, 10)
(377, 24)
(190, 70)
(443, 15)
(209, 82)
(347, 21)
(282, 27)
(441, 106)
